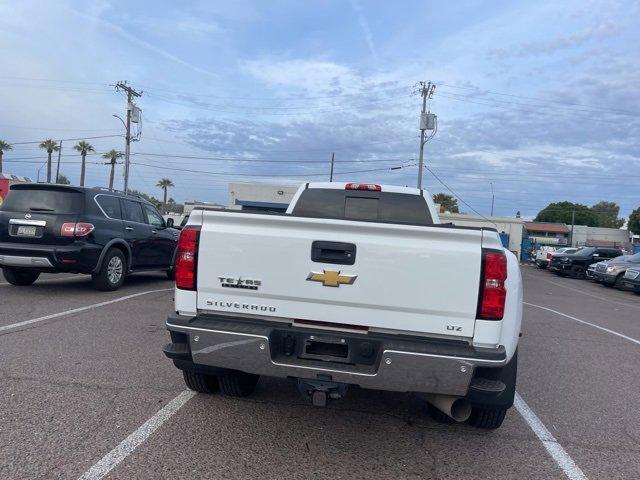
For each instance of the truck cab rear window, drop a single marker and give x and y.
(45, 200)
(387, 207)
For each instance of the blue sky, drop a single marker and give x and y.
(539, 98)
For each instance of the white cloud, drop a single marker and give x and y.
(364, 25)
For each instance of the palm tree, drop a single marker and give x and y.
(164, 184)
(50, 146)
(4, 146)
(112, 155)
(83, 147)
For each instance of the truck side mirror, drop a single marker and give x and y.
(169, 222)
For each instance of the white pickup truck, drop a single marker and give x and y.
(356, 284)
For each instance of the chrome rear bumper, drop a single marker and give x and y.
(18, 261)
(247, 347)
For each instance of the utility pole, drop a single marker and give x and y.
(58, 166)
(427, 122)
(573, 222)
(332, 160)
(131, 94)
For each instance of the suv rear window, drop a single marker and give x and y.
(388, 207)
(43, 199)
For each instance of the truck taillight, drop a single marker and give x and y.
(76, 229)
(363, 186)
(187, 257)
(493, 293)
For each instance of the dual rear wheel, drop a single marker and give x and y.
(231, 384)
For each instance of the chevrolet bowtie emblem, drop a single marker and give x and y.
(330, 278)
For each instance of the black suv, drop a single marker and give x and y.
(60, 228)
(576, 264)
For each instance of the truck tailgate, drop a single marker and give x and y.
(410, 278)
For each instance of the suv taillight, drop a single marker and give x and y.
(186, 258)
(76, 229)
(492, 290)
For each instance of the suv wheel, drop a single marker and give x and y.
(489, 418)
(20, 276)
(237, 384)
(199, 382)
(112, 271)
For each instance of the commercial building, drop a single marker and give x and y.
(545, 233)
(510, 228)
(260, 197)
(600, 237)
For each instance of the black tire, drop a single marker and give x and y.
(237, 384)
(488, 418)
(199, 382)
(439, 416)
(20, 277)
(578, 272)
(112, 271)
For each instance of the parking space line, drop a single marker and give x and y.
(559, 454)
(133, 441)
(588, 294)
(80, 309)
(604, 329)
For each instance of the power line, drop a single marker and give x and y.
(593, 108)
(66, 139)
(269, 175)
(261, 160)
(456, 195)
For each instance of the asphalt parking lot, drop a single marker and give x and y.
(87, 392)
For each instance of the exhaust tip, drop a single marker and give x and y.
(458, 408)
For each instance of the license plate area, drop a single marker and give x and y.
(326, 349)
(26, 231)
(342, 349)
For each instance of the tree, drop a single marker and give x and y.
(4, 146)
(112, 156)
(447, 202)
(634, 222)
(50, 146)
(164, 184)
(63, 180)
(83, 147)
(561, 212)
(607, 213)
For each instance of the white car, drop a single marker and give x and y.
(357, 284)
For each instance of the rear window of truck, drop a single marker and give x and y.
(46, 200)
(388, 207)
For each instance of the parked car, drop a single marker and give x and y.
(611, 273)
(542, 256)
(560, 251)
(591, 271)
(576, 264)
(632, 279)
(60, 228)
(356, 284)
